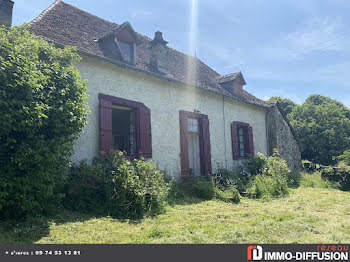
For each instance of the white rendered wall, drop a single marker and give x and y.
(165, 99)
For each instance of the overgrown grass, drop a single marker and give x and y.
(315, 180)
(313, 213)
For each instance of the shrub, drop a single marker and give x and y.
(255, 165)
(273, 180)
(228, 178)
(203, 188)
(43, 110)
(293, 179)
(230, 194)
(338, 175)
(345, 157)
(118, 187)
(88, 188)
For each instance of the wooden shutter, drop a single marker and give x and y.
(251, 141)
(184, 144)
(234, 138)
(206, 145)
(145, 146)
(105, 126)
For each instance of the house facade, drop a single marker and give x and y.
(150, 100)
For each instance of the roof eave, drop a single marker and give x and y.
(125, 65)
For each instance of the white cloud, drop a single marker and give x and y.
(316, 34)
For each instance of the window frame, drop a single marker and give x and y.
(132, 51)
(143, 145)
(135, 120)
(247, 138)
(204, 140)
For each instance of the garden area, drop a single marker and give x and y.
(313, 213)
(45, 198)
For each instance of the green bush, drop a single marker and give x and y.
(293, 179)
(203, 188)
(88, 188)
(43, 110)
(338, 175)
(227, 178)
(230, 194)
(255, 165)
(273, 180)
(118, 187)
(345, 157)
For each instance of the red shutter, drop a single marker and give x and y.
(105, 126)
(234, 138)
(206, 145)
(251, 141)
(145, 147)
(184, 144)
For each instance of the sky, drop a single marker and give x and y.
(291, 48)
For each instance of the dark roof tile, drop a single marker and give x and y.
(65, 24)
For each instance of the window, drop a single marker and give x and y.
(126, 126)
(194, 144)
(242, 140)
(123, 129)
(128, 51)
(193, 147)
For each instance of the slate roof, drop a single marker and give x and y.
(64, 24)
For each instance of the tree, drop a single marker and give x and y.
(43, 110)
(323, 128)
(286, 104)
(345, 157)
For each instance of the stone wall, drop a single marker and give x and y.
(281, 136)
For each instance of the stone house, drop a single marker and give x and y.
(153, 101)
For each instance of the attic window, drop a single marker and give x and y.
(128, 51)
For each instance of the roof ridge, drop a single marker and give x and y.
(43, 13)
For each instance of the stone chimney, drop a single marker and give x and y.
(159, 53)
(6, 7)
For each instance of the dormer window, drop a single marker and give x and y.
(127, 51)
(120, 44)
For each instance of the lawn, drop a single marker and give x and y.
(307, 215)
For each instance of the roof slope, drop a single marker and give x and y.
(65, 24)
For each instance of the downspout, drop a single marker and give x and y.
(224, 119)
(267, 132)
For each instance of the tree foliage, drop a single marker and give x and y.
(286, 104)
(323, 128)
(43, 110)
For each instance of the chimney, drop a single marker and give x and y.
(6, 7)
(159, 53)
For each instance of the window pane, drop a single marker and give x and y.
(241, 145)
(241, 152)
(241, 139)
(123, 129)
(192, 125)
(194, 154)
(126, 49)
(240, 131)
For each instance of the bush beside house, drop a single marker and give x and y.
(43, 110)
(116, 186)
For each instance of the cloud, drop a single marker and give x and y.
(315, 34)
